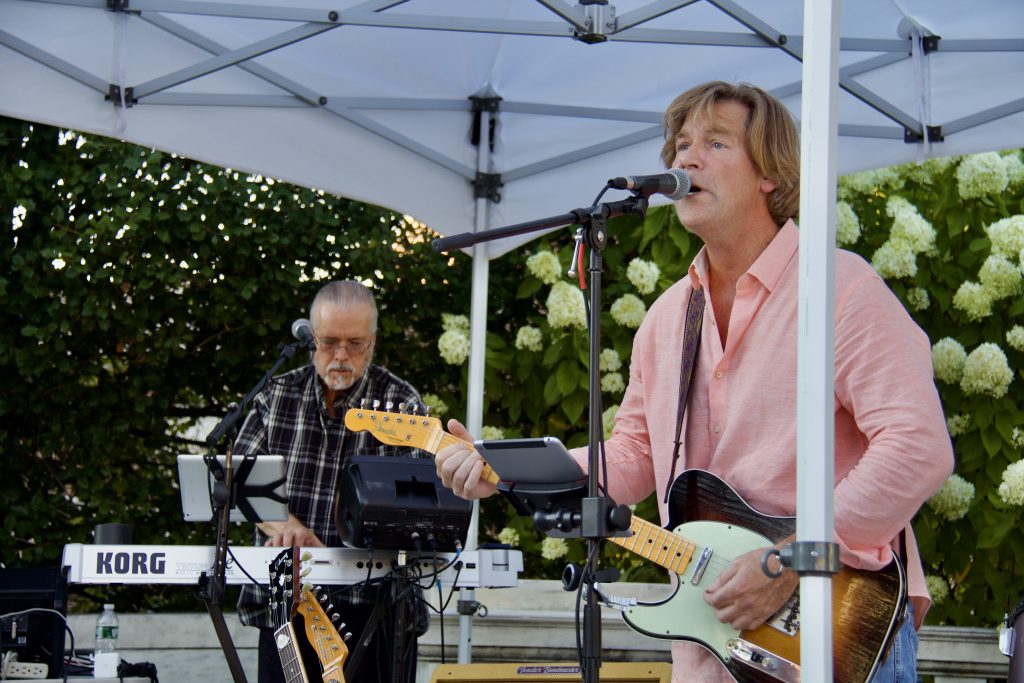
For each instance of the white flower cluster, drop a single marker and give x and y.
(937, 587)
(565, 306)
(608, 420)
(1007, 236)
(434, 404)
(450, 321)
(553, 548)
(925, 173)
(1015, 338)
(629, 311)
(986, 371)
(948, 356)
(847, 224)
(613, 383)
(999, 277)
(454, 347)
(1017, 438)
(1011, 489)
(868, 182)
(529, 338)
(954, 498)
(545, 266)
(909, 236)
(974, 300)
(958, 424)
(917, 298)
(610, 360)
(491, 433)
(509, 536)
(982, 175)
(1014, 168)
(643, 274)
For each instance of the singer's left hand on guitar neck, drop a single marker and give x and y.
(744, 597)
(459, 466)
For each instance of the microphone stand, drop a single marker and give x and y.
(599, 517)
(212, 588)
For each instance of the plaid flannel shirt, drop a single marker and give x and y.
(290, 418)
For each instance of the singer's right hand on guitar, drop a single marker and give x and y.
(459, 466)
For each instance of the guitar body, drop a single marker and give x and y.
(867, 606)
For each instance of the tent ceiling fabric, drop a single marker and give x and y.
(375, 100)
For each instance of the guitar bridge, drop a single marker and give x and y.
(764, 661)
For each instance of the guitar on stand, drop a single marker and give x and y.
(287, 601)
(709, 524)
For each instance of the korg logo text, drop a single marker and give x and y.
(131, 563)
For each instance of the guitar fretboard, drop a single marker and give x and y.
(664, 548)
(291, 663)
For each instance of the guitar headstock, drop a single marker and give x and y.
(322, 633)
(397, 429)
(284, 586)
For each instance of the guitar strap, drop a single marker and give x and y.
(691, 340)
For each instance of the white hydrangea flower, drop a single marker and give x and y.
(974, 300)
(610, 360)
(643, 274)
(986, 371)
(545, 266)
(1014, 168)
(917, 298)
(459, 323)
(1011, 490)
(608, 420)
(925, 173)
(909, 226)
(565, 306)
(509, 536)
(613, 383)
(1015, 338)
(629, 311)
(895, 259)
(529, 338)
(553, 548)
(847, 224)
(1017, 438)
(1007, 236)
(953, 500)
(999, 277)
(938, 588)
(454, 347)
(981, 175)
(434, 404)
(867, 182)
(491, 433)
(948, 356)
(958, 424)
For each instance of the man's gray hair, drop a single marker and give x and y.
(345, 294)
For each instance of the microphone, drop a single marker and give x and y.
(302, 330)
(673, 183)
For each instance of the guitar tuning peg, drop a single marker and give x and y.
(306, 556)
(307, 588)
(376, 404)
(363, 402)
(401, 408)
(388, 406)
(305, 572)
(426, 410)
(335, 617)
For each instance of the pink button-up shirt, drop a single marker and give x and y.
(892, 450)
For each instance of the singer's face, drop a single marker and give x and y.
(728, 191)
(344, 343)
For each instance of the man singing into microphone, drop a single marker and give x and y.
(301, 415)
(740, 148)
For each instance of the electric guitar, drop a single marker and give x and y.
(287, 600)
(709, 525)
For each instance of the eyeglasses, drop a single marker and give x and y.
(354, 347)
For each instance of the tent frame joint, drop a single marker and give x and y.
(118, 5)
(114, 95)
(487, 186)
(930, 43)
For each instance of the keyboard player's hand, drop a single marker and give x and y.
(289, 533)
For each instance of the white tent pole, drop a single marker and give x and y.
(816, 335)
(477, 351)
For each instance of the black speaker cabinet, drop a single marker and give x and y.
(390, 503)
(36, 636)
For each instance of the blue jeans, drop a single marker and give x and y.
(901, 664)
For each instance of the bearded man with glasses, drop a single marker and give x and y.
(301, 415)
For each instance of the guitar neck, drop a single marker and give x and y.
(291, 660)
(664, 548)
(448, 440)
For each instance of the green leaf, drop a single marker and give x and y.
(991, 440)
(568, 377)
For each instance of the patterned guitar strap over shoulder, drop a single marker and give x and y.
(691, 340)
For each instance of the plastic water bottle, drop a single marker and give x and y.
(106, 630)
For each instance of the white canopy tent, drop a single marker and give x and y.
(471, 114)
